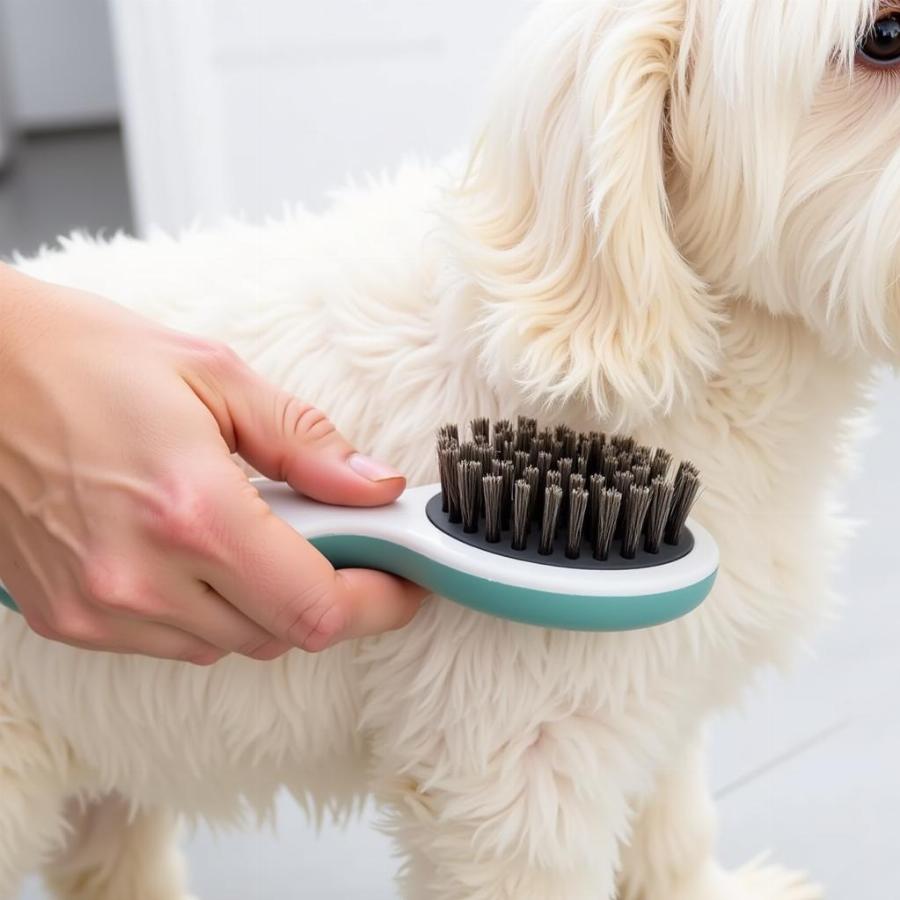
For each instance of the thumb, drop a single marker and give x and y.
(288, 440)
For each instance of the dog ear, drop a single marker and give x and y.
(564, 220)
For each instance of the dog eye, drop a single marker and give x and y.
(881, 45)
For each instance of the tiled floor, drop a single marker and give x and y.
(809, 770)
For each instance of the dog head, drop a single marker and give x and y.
(646, 162)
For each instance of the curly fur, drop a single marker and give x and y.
(680, 219)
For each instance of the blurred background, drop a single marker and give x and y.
(135, 114)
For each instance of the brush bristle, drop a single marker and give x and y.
(606, 495)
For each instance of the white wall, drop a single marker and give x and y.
(237, 106)
(59, 56)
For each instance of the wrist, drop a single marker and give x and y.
(18, 293)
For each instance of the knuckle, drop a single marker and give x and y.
(310, 622)
(302, 420)
(182, 512)
(115, 589)
(218, 356)
(75, 625)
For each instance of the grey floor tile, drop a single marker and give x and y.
(830, 811)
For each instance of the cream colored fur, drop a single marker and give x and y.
(681, 219)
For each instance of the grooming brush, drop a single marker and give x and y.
(549, 527)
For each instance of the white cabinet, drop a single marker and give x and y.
(243, 106)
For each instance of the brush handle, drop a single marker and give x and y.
(400, 539)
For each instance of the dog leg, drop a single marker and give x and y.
(112, 854)
(670, 854)
(527, 828)
(32, 793)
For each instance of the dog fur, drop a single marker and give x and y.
(681, 219)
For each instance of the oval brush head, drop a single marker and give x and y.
(551, 528)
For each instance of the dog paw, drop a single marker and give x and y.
(759, 881)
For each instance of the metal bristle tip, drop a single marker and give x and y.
(607, 501)
(521, 490)
(469, 495)
(636, 506)
(552, 503)
(493, 506)
(578, 504)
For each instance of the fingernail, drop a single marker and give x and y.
(372, 469)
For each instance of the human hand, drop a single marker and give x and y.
(126, 525)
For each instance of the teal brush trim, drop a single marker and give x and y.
(7, 601)
(549, 610)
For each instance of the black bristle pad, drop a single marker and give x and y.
(636, 507)
(552, 503)
(521, 490)
(610, 502)
(661, 493)
(469, 494)
(595, 501)
(493, 505)
(578, 504)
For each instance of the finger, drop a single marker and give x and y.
(283, 583)
(291, 441)
(197, 609)
(371, 603)
(87, 630)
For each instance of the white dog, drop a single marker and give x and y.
(682, 219)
